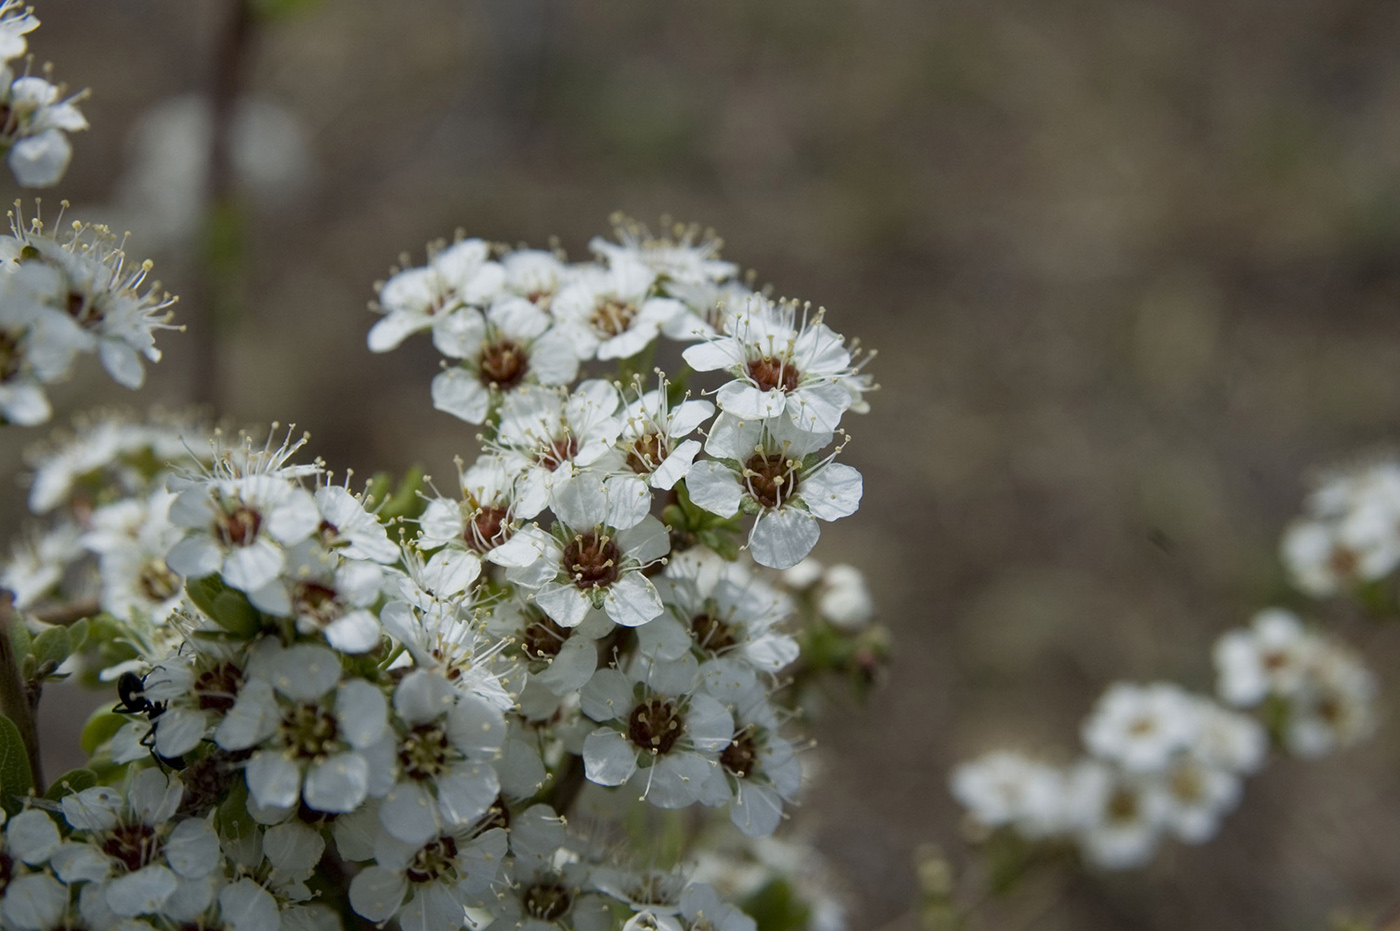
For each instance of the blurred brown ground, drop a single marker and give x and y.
(1132, 269)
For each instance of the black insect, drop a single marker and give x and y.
(131, 692)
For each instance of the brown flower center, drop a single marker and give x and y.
(557, 452)
(157, 581)
(487, 529)
(548, 901)
(424, 752)
(655, 725)
(711, 633)
(238, 527)
(315, 603)
(217, 688)
(771, 479)
(592, 559)
(132, 845)
(647, 453)
(769, 373)
(438, 858)
(503, 364)
(310, 732)
(741, 756)
(544, 639)
(612, 317)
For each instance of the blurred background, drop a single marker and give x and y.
(1132, 269)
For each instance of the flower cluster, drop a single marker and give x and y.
(521, 326)
(1349, 533)
(35, 114)
(420, 685)
(64, 293)
(1161, 762)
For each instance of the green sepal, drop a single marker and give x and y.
(227, 607)
(51, 646)
(15, 781)
(99, 729)
(75, 780)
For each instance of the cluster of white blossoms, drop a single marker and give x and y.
(1161, 763)
(1315, 693)
(409, 690)
(1349, 533)
(65, 293)
(35, 114)
(521, 327)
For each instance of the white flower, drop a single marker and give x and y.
(16, 20)
(782, 366)
(1195, 796)
(30, 899)
(688, 256)
(240, 527)
(1271, 657)
(36, 565)
(758, 771)
(613, 313)
(482, 520)
(315, 737)
(132, 539)
(511, 345)
(1335, 707)
(42, 159)
(655, 729)
(654, 436)
(545, 437)
(1141, 727)
(535, 275)
(593, 559)
(428, 886)
(546, 899)
(1008, 788)
(444, 777)
(34, 125)
(844, 599)
(1119, 818)
(769, 468)
(1350, 532)
(418, 299)
(137, 856)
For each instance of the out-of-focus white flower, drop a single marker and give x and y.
(613, 313)
(1008, 788)
(1141, 727)
(1118, 817)
(418, 299)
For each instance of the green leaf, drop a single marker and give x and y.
(203, 592)
(777, 907)
(232, 819)
(75, 780)
(233, 613)
(15, 781)
(19, 636)
(99, 729)
(406, 503)
(52, 646)
(78, 634)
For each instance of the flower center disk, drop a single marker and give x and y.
(771, 479)
(655, 725)
(503, 363)
(592, 560)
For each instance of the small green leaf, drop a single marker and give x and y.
(406, 503)
(232, 819)
(75, 780)
(99, 729)
(19, 636)
(77, 635)
(52, 646)
(233, 613)
(203, 592)
(15, 781)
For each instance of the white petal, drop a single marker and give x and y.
(92, 809)
(646, 542)
(748, 402)
(194, 557)
(293, 847)
(142, 892)
(354, 632)
(122, 363)
(251, 567)
(833, 492)
(581, 502)
(818, 408)
(409, 813)
(192, 849)
(476, 727)
(273, 780)
(339, 784)
(248, 906)
(32, 836)
(632, 600)
(304, 672)
(675, 780)
(423, 696)
(715, 488)
(466, 792)
(34, 902)
(376, 893)
(361, 711)
(607, 695)
(782, 538)
(609, 758)
(564, 602)
(460, 393)
(757, 810)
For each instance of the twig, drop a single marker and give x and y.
(14, 698)
(70, 613)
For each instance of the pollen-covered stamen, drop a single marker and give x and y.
(309, 732)
(554, 453)
(425, 752)
(647, 453)
(741, 756)
(655, 725)
(611, 317)
(497, 816)
(437, 859)
(503, 364)
(132, 845)
(771, 372)
(711, 633)
(771, 479)
(548, 901)
(156, 580)
(238, 527)
(316, 603)
(216, 689)
(544, 639)
(486, 529)
(329, 534)
(592, 559)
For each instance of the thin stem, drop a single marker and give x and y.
(14, 697)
